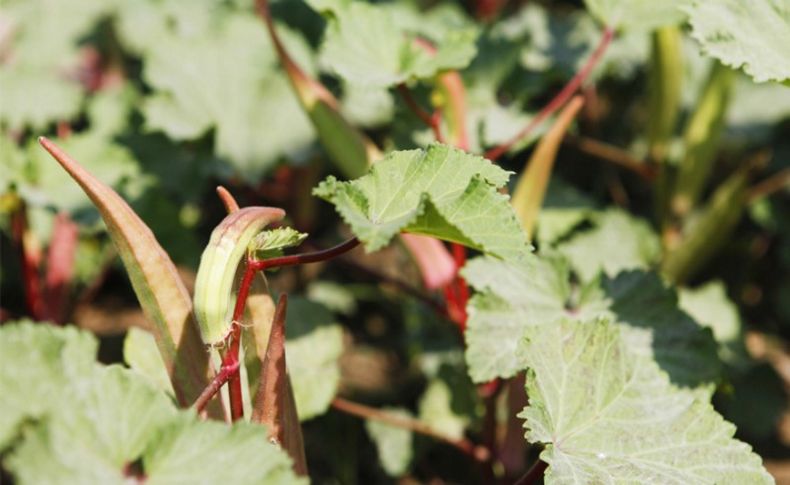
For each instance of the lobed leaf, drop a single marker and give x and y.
(441, 192)
(616, 242)
(366, 44)
(515, 296)
(198, 88)
(111, 426)
(638, 15)
(40, 362)
(753, 35)
(606, 416)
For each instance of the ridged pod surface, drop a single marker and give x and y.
(213, 302)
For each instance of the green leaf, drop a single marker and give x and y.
(109, 109)
(616, 242)
(563, 209)
(243, 98)
(638, 15)
(367, 44)
(313, 346)
(606, 416)
(113, 424)
(142, 355)
(437, 411)
(38, 70)
(394, 444)
(97, 429)
(35, 97)
(272, 242)
(189, 451)
(752, 35)
(516, 296)
(40, 362)
(710, 306)
(442, 192)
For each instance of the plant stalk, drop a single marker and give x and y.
(477, 452)
(560, 99)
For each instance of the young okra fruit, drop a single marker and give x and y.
(229, 243)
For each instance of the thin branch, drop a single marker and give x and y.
(772, 184)
(560, 99)
(432, 120)
(211, 390)
(535, 472)
(613, 154)
(304, 258)
(30, 255)
(479, 453)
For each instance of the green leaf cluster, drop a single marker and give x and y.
(88, 423)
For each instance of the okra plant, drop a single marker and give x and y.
(464, 298)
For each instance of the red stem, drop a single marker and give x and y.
(560, 99)
(432, 120)
(30, 260)
(60, 266)
(314, 257)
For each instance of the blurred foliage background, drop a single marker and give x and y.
(165, 99)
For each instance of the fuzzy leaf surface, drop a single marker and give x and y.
(638, 15)
(224, 78)
(607, 417)
(617, 241)
(753, 35)
(441, 192)
(516, 296)
(368, 45)
(40, 361)
(115, 418)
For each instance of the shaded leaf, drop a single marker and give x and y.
(314, 344)
(515, 296)
(710, 306)
(616, 242)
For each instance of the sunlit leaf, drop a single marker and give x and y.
(440, 192)
(606, 416)
(751, 35)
